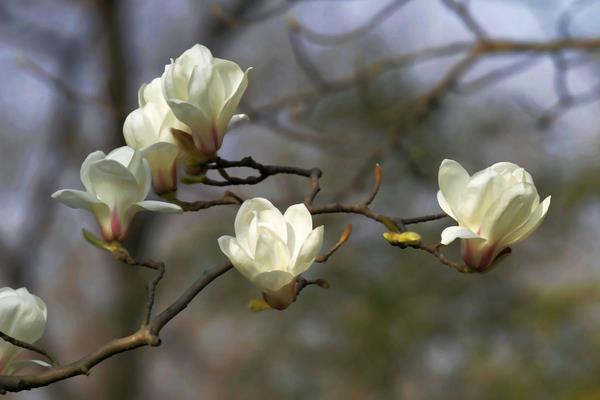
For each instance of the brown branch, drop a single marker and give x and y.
(425, 218)
(264, 171)
(331, 40)
(147, 335)
(228, 198)
(434, 250)
(462, 12)
(300, 53)
(186, 298)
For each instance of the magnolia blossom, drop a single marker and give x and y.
(494, 208)
(116, 186)
(23, 317)
(271, 249)
(203, 93)
(148, 129)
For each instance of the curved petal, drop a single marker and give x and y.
(274, 221)
(176, 77)
(534, 221)
(76, 199)
(273, 281)
(457, 232)
(245, 224)
(240, 259)
(227, 77)
(504, 167)
(509, 212)
(453, 179)
(196, 119)
(308, 252)
(271, 252)
(231, 104)
(124, 155)
(114, 184)
(22, 316)
(85, 166)
(135, 131)
(482, 190)
(444, 205)
(200, 93)
(300, 225)
(196, 55)
(162, 158)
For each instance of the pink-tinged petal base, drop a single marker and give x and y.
(283, 298)
(482, 256)
(164, 181)
(114, 228)
(208, 148)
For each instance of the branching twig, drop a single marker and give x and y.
(343, 239)
(28, 346)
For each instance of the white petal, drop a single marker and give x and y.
(240, 259)
(274, 221)
(232, 103)
(123, 155)
(444, 205)
(504, 167)
(22, 316)
(227, 77)
(84, 171)
(271, 252)
(196, 119)
(114, 184)
(534, 221)
(457, 232)
(309, 251)
(482, 190)
(160, 155)
(273, 281)
(300, 221)
(196, 55)
(245, 227)
(135, 131)
(509, 212)
(76, 199)
(453, 179)
(159, 206)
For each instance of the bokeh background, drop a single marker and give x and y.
(395, 323)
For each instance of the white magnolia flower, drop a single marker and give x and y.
(495, 208)
(148, 129)
(23, 317)
(116, 186)
(203, 93)
(272, 250)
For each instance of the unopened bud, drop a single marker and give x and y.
(403, 238)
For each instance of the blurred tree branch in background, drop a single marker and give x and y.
(286, 114)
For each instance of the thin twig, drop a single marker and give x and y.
(28, 346)
(425, 218)
(343, 239)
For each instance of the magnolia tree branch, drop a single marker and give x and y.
(149, 330)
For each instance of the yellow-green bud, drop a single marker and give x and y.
(403, 238)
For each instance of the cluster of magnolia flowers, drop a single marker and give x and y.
(181, 120)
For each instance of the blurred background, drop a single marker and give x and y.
(339, 85)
